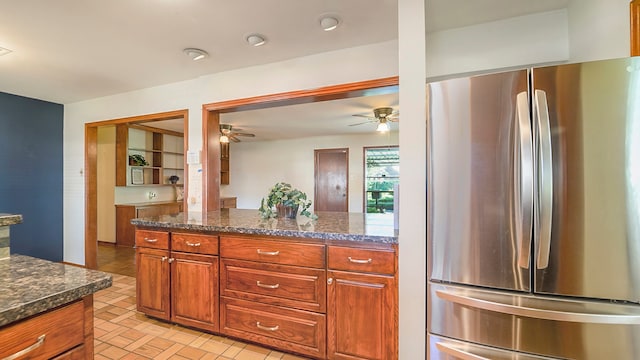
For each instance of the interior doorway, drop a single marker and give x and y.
(91, 173)
(331, 173)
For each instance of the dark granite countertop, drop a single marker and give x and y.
(329, 225)
(29, 286)
(10, 219)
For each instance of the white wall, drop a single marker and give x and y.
(256, 166)
(515, 42)
(598, 29)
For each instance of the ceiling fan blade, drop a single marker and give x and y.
(233, 138)
(393, 119)
(366, 122)
(243, 134)
(365, 116)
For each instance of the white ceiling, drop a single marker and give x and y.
(72, 50)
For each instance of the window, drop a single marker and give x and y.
(381, 173)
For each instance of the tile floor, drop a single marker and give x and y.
(120, 332)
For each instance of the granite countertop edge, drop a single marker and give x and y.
(26, 310)
(30, 286)
(10, 219)
(321, 235)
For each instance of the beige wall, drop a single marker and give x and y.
(106, 183)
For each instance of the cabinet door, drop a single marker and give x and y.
(152, 285)
(361, 314)
(194, 290)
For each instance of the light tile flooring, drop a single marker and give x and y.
(120, 332)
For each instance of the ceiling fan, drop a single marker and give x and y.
(227, 133)
(381, 116)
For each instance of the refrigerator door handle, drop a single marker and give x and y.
(457, 353)
(538, 313)
(523, 175)
(545, 178)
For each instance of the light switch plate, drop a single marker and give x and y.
(193, 157)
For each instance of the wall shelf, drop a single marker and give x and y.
(162, 149)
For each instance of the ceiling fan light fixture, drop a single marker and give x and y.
(224, 139)
(382, 127)
(256, 40)
(196, 54)
(329, 23)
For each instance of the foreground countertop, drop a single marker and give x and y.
(29, 286)
(10, 219)
(329, 225)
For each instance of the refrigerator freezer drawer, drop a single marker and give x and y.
(441, 348)
(542, 325)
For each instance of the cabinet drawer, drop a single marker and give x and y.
(282, 285)
(362, 260)
(228, 202)
(194, 243)
(47, 335)
(288, 329)
(78, 353)
(152, 239)
(272, 251)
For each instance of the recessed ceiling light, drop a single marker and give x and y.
(329, 23)
(4, 51)
(196, 54)
(256, 40)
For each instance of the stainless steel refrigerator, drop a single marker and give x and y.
(534, 213)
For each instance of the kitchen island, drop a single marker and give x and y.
(324, 288)
(46, 308)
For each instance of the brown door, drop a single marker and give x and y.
(331, 180)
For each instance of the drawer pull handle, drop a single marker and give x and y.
(193, 244)
(266, 286)
(358, 261)
(163, 258)
(267, 328)
(25, 351)
(150, 240)
(271, 253)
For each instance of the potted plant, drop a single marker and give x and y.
(137, 160)
(287, 201)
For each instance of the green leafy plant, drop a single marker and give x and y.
(283, 194)
(137, 160)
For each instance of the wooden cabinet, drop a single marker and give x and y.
(228, 202)
(362, 308)
(274, 292)
(67, 330)
(152, 273)
(162, 149)
(177, 277)
(224, 163)
(296, 295)
(634, 11)
(194, 280)
(125, 231)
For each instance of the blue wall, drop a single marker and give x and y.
(31, 174)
